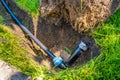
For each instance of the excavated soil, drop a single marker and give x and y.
(56, 38)
(81, 14)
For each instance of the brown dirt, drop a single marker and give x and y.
(81, 14)
(56, 38)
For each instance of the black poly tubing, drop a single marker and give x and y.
(58, 61)
(26, 30)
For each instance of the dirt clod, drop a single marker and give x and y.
(64, 55)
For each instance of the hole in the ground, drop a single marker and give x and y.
(58, 38)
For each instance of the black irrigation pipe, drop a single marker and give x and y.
(58, 61)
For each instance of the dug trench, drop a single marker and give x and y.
(60, 39)
(56, 38)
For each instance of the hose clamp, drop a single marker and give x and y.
(57, 61)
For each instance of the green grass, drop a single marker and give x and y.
(1, 20)
(31, 6)
(107, 65)
(13, 53)
(81, 4)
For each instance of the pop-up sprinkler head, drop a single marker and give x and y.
(82, 47)
(58, 61)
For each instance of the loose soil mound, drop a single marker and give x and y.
(81, 14)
